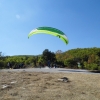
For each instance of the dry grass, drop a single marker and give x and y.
(45, 86)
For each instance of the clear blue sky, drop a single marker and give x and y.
(78, 19)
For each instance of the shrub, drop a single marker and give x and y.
(91, 66)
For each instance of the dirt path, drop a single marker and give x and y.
(51, 70)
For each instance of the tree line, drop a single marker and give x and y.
(88, 58)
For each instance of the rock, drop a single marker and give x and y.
(6, 86)
(64, 79)
(13, 82)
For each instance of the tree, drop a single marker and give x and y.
(40, 61)
(0, 54)
(59, 52)
(48, 55)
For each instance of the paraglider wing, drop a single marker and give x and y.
(51, 31)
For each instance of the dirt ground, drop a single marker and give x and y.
(45, 86)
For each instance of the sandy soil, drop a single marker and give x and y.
(45, 86)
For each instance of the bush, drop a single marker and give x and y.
(2, 64)
(70, 62)
(99, 68)
(91, 66)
